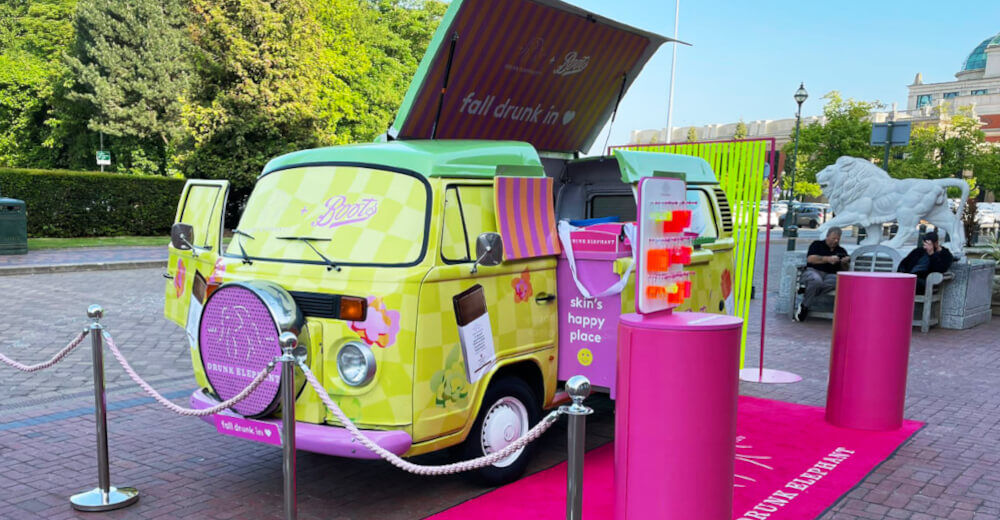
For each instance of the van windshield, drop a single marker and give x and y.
(351, 215)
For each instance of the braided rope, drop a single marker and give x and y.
(55, 359)
(180, 409)
(419, 469)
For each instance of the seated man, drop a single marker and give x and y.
(824, 259)
(929, 257)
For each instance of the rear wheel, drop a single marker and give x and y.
(509, 410)
(813, 224)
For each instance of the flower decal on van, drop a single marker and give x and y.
(729, 298)
(449, 385)
(217, 272)
(522, 287)
(179, 277)
(380, 327)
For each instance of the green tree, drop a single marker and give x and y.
(255, 93)
(33, 37)
(844, 130)
(131, 68)
(741, 130)
(371, 50)
(950, 150)
(692, 135)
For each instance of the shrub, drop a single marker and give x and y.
(82, 204)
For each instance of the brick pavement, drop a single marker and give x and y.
(185, 470)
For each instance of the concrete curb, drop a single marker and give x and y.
(93, 266)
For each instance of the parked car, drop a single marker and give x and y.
(766, 218)
(810, 216)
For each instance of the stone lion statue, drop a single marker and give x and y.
(862, 193)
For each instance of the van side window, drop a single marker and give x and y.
(468, 212)
(621, 206)
(477, 209)
(198, 210)
(454, 244)
(703, 217)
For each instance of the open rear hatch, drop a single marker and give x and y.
(540, 71)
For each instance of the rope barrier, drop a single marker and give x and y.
(390, 457)
(419, 469)
(180, 409)
(55, 359)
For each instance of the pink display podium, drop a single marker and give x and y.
(872, 323)
(675, 420)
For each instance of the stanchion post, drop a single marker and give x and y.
(291, 355)
(578, 388)
(105, 497)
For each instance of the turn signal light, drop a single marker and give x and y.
(353, 308)
(210, 288)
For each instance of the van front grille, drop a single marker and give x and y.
(727, 215)
(317, 305)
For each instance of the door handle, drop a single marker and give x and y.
(168, 276)
(544, 298)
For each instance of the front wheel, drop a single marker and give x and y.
(509, 410)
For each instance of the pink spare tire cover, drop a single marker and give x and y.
(238, 337)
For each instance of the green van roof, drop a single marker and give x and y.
(443, 158)
(635, 165)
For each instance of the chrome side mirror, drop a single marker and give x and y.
(489, 251)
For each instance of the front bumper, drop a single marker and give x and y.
(322, 438)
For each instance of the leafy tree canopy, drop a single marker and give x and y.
(131, 68)
(213, 88)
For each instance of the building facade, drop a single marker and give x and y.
(976, 86)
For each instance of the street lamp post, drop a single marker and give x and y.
(791, 231)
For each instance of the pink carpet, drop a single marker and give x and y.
(790, 464)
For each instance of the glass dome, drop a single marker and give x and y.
(977, 58)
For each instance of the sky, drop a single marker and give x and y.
(748, 56)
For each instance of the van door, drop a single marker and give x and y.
(202, 205)
(520, 298)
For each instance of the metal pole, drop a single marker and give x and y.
(104, 497)
(578, 388)
(291, 354)
(102, 149)
(792, 231)
(888, 145)
(673, 70)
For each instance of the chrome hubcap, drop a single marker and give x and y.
(505, 422)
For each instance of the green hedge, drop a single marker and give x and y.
(86, 204)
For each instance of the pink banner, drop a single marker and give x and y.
(526, 71)
(248, 429)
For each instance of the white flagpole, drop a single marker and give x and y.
(673, 70)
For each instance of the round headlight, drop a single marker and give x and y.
(356, 363)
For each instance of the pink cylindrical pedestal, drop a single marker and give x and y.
(872, 323)
(675, 419)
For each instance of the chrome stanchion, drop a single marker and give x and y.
(291, 354)
(104, 497)
(578, 388)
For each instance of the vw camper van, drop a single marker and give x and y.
(384, 258)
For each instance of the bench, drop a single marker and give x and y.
(923, 304)
(884, 259)
(871, 258)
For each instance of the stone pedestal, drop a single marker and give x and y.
(789, 264)
(965, 301)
